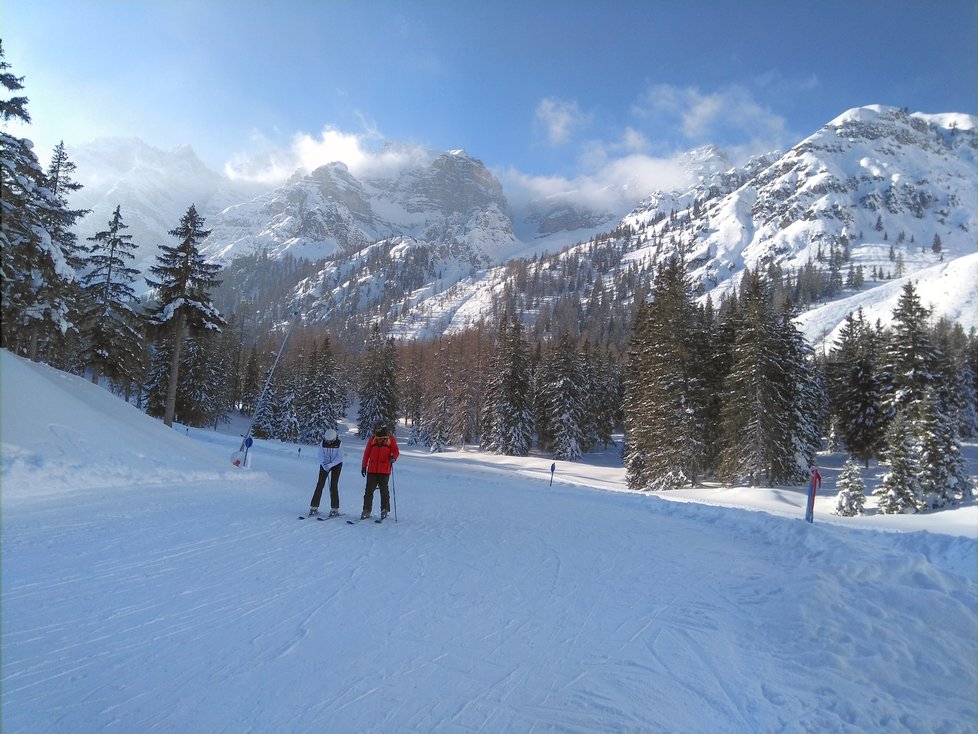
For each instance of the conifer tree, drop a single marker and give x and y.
(857, 390)
(639, 439)
(756, 405)
(378, 384)
(266, 418)
(900, 491)
(35, 273)
(110, 330)
(669, 388)
(183, 284)
(562, 400)
(286, 413)
(508, 411)
(943, 477)
(320, 402)
(806, 402)
(852, 491)
(909, 357)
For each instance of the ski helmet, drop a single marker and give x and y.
(329, 435)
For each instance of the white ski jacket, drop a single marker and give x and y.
(330, 456)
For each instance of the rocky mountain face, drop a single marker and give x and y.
(874, 197)
(329, 213)
(877, 192)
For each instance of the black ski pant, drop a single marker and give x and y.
(334, 487)
(381, 482)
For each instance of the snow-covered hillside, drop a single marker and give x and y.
(877, 189)
(148, 586)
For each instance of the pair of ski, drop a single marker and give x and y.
(324, 518)
(377, 520)
(321, 518)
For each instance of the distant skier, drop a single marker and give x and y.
(379, 456)
(813, 487)
(330, 465)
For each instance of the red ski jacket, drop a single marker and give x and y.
(379, 454)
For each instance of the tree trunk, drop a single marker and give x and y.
(171, 387)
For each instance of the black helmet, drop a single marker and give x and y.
(380, 429)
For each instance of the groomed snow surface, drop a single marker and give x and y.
(148, 586)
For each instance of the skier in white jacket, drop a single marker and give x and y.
(330, 464)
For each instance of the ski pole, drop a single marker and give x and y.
(393, 493)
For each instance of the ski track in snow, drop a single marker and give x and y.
(494, 603)
(588, 619)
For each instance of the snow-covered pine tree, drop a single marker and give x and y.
(286, 413)
(563, 401)
(61, 349)
(508, 411)
(197, 401)
(320, 401)
(378, 384)
(35, 275)
(909, 359)
(956, 381)
(438, 430)
(182, 287)
(251, 384)
(943, 477)
(900, 490)
(756, 406)
(807, 400)
(491, 390)
(111, 333)
(857, 389)
(637, 411)
(670, 383)
(852, 490)
(265, 423)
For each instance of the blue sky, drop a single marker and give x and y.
(545, 92)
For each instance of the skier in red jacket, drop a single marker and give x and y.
(379, 456)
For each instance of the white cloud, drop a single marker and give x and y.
(559, 119)
(359, 151)
(723, 116)
(617, 183)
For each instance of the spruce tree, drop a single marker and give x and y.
(670, 387)
(900, 491)
(36, 276)
(806, 403)
(909, 356)
(508, 411)
(563, 401)
(378, 384)
(110, 329)
(943, 477)
(320, 403)
(639, 439)
(757, 406)
(852, 491)
(857, 389)
(182, 287)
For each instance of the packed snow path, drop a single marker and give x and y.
(495, 603)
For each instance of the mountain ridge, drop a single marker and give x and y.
(877, 191)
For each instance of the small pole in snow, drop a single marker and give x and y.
(299, 454)
(813, 487)
(553, 468)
